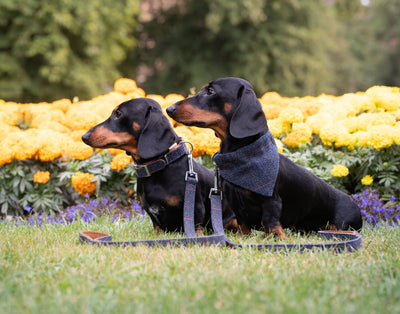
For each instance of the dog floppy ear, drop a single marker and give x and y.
(248, 119)
(157, 135)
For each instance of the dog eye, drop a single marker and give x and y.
(210, 91)
(117, 114)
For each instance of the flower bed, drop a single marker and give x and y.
(351, 141)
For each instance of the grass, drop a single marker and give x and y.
(46, 270)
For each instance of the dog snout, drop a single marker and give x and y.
(171, 111)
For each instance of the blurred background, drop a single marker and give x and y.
(66, 48)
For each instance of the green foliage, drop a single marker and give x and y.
(63, 48)
(383, 166)
(288, 46)
(17, 189)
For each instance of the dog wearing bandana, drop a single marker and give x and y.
(265, 189)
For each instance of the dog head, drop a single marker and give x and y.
(137, 126)
(227, 105)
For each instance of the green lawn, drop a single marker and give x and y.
(47, 270)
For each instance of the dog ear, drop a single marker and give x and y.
(248, 119)
(157, 135)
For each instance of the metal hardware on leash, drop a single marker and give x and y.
(190, 173)
(215, 189)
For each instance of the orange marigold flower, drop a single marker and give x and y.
(41, 177)
(83, 183)
(120, 161)
(6, 154)
(294, 139)
(125, 86)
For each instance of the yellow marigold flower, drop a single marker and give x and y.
(385, 97)
(339, 171)
(278, 127)
(396, 135)
(369, 119)
(125, 86)
(138, 93)
(318, 121)
(380, 136)
(62, 104)
(339, 111)
(345, 139)
(271, 98)
(120, 161)
(279, 145)
(41, 177)
(205, 143)
(79, 118)
(291, 115)
(6, 154)
(331, 133)
(76, 150)
(361, 138)
(360, 101)
(83, 183)
(50, 152)
(294, 139)
(351, 124)
(77, 135)
(55, 126)
(170, 99)
(157, 98)
(302, 128)
(48, 116)
(367, 180)
(271, 111)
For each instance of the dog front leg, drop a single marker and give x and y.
(271, 213)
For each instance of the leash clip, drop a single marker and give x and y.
(216, 189)
(190, 173)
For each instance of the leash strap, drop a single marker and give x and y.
(189, 200)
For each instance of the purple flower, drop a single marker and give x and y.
(105, 201)
(392, 199)
(94, 203)
(28, 208)
(136, 206)
(127, 214)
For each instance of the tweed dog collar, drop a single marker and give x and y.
(253, 167)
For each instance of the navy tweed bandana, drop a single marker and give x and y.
(253, 167)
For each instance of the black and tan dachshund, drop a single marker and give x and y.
(139, 127)
(298, 199)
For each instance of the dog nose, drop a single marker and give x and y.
(85, 137)
(171, 110)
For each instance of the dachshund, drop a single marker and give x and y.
(139, 127)
(266, 191)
